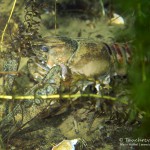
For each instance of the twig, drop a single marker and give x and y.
(3, 33)
(9, 72)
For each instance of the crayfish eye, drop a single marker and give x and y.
(44, 48)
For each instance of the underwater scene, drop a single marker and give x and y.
(74, 75)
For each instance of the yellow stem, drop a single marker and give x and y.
(55, 96)
(3, 33)
(55, 16)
